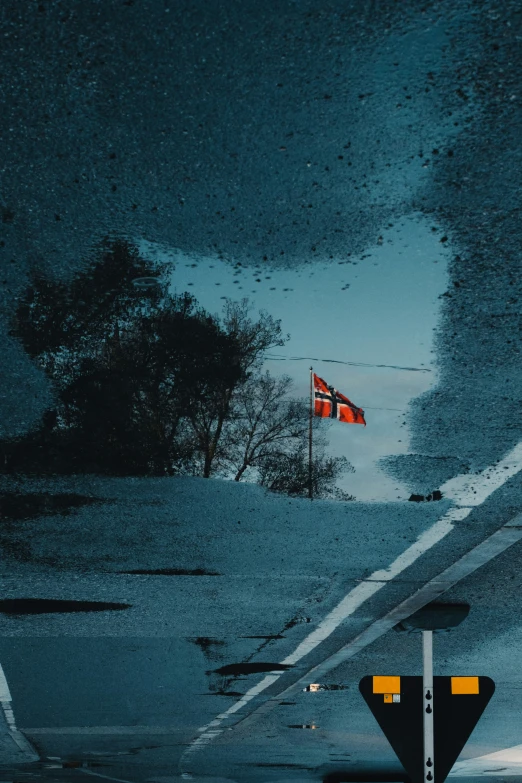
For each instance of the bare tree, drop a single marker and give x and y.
(262, 421)
(287, 472)
(266, 439)
(285, 468)
(252, 338)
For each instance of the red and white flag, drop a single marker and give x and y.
(331, 404)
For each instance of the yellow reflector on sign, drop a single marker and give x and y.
(386, 684)
(464, 684)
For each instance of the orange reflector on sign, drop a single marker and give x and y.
(388, 698)
(464, 684)
(386, 684)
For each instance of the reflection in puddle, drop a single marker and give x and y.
(170, 572)
(436, 495)
(269, 637)
(269, 765)
(22, 606)
(20, 507)
(237, 669)
(233, 694)
(377, 775)
(303, 726)
(378, 309)
(123, 373)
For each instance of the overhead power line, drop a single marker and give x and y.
(280, 358)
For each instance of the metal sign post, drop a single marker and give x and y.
(396, 702)
(427, 684)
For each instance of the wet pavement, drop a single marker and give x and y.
(131, 690)
(353, 170)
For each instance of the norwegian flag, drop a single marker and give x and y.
(331, 404)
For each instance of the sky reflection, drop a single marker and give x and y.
(378, 308)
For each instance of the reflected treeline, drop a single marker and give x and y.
(147, 383)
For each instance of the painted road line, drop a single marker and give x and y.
(350, 603)
(492, 546)
(467, 492)
(429, 538)
(105, 777)
(368, 587)
(501, 763)
(472, 490)
(18, 738)
(5, 693)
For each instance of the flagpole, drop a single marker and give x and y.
(310, 492)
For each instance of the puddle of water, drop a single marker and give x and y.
(235, 694)
(171, 572)
(436, 495)
(87, 764)
(15, 507)
(379, 308)
(295, 621)
(207, 644)
(23, 606)
(237, 669)
(275, 636)
(79, 764)
(262, 764)
(364, 776)
(302, 726)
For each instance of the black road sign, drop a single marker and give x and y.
(397, 704)
(435, 616)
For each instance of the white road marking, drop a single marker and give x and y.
(467, 492)
(502, 762)
(425, 541)
(350, 603)
(472, 490)
(492, 546)
(105, 777)
(5, 693)
(5, 705)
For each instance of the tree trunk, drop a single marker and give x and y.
(210, 452)
(240, 472)
(207, 465)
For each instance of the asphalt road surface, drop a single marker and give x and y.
(143, 688)
(164, 628)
